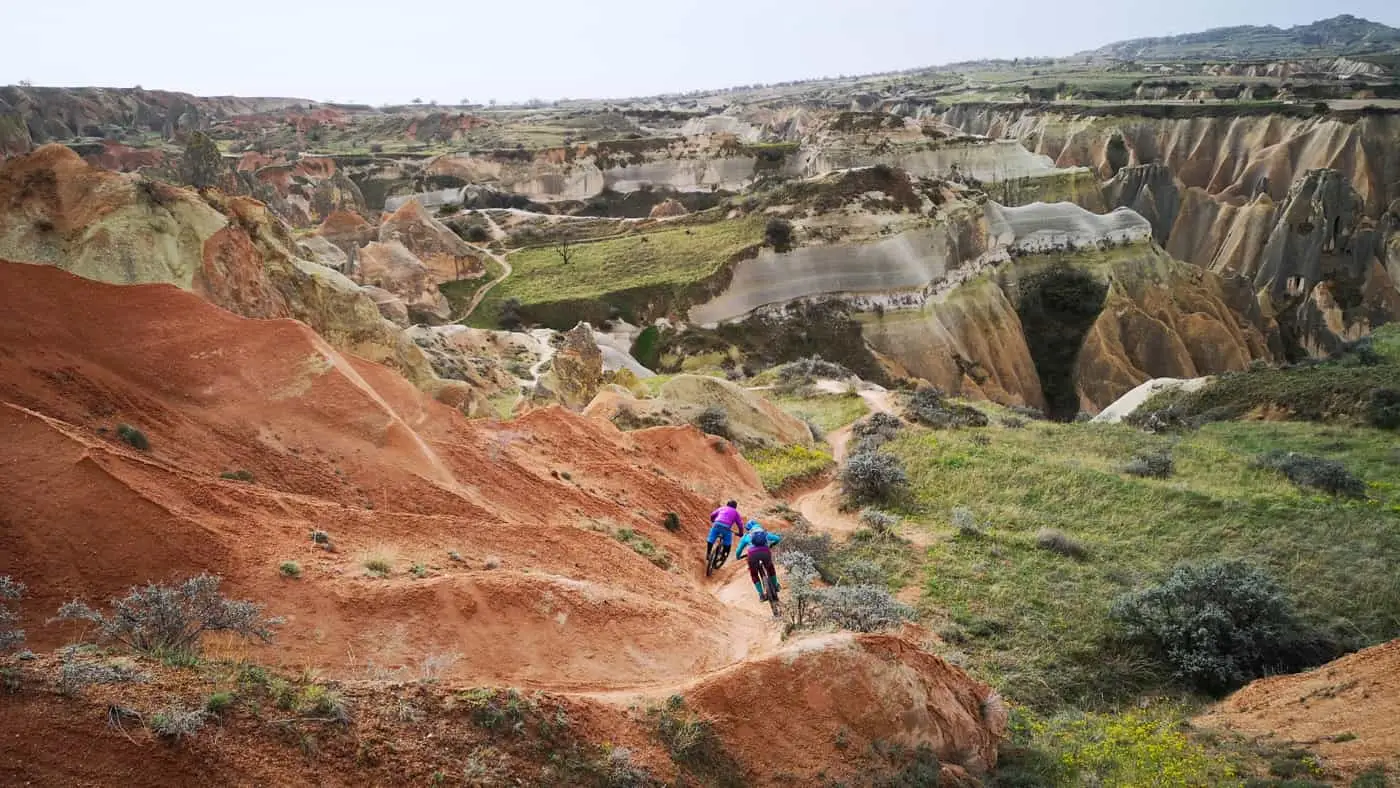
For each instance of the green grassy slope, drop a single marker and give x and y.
(1034, 623)
(600, 273)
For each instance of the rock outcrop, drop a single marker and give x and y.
(1228, 154)
(1152, 192)
(577, 372)
(391, 266)
(347, 231)
(1127, 405)
(446, 256)
(1297, 205)
(668, 208)
(1323, 268)
(56, 209)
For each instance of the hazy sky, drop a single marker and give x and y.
(379, 51)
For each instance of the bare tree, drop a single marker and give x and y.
(565, 249)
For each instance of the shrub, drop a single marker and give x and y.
(644, 547)
(860, 573)
(778, 234)
(477, 234)
(811, 545)
(713, 420)
(930, 406)
(1218, 625)
(169, 621)
(290, 569)
(690, 738)
(963, 520)
(1057, 541)
(875, 431)
(671, 521)
(1383, 410)
(175, 723)
(510, 318)
(861, 608)
(880, 522)
(1151, 465)
(218, 703)
(1307, 471)
(237, 476)
(324, 703)
(133, 437)
(321, 538)
(10, 637)
(76, 673)
(419, 571)
(873, 477)
(808, 369)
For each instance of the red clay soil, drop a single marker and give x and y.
(1347, 712)
(546, 595)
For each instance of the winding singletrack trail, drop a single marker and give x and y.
(506, 271)
(822, 507)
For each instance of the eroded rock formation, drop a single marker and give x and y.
(56, 209)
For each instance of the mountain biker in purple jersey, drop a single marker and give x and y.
(724, 526)
(759, 544)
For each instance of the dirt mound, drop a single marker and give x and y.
(867, 691)
(1343, 711)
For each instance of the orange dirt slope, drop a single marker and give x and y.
(545, 595)
(1347, 711)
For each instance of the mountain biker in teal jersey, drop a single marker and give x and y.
(759, 544)
(724, 525)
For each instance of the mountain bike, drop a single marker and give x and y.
(770, 591)
(716, 556)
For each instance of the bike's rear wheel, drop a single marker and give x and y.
(716, 558)
(770, 584)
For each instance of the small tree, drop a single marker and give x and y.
(202, 165)
(565, 249)
(10, 637)
(169, 621)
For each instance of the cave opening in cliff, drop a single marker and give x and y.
(1057, 308)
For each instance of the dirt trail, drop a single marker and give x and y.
(822, 507)
(506, 271)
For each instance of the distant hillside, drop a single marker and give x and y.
(1340, 35)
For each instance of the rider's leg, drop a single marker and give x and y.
(767, 562)
(710, 540)
(755, 577)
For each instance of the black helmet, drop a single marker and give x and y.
(732, 504)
